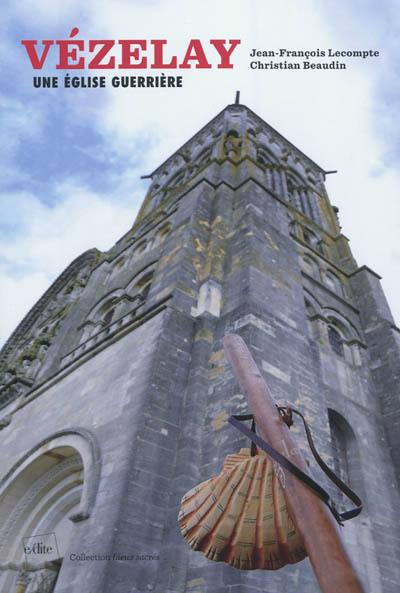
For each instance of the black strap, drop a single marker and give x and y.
(253, 450)
(236, 420)
(351, 495)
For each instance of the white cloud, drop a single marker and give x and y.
(18, 122)
(46, 13)
(50, 238)
(331, 116)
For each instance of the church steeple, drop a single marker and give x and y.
(237, 145)
(122, 362)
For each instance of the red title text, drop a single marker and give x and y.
(99, 54)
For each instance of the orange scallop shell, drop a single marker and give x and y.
(240, 516)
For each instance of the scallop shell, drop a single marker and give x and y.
(240, 516)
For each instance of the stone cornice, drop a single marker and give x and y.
(365, 269)
(331, 292)
(191, 185)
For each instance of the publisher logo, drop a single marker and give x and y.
(40, 548)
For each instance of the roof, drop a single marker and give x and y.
(269, 127)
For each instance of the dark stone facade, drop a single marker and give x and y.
(236, 234)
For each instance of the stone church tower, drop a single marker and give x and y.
(115, 389)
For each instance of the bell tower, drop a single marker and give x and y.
(119, 375)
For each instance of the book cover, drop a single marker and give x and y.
(173, 173)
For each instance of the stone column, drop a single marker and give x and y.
(268, 174)
(304, 202)
(296, 200)
(284, 186)
(22, 583)
(314, 202)
(277, 187)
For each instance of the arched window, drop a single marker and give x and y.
(107, 310)
(108, 316)
(144, 284)
(345, 454)
(139, 286)
(163, 232)
(310, 238)
(120, 262)
(266, 156)
(291, 189)
(141, 246)
(177, 179)
(310, 311)
(347, 464)
(294, 229)
(339, 450)
(299, 193)
(335, 340)
(333, 282)
(203, 157)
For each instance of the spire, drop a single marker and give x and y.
(237, 98)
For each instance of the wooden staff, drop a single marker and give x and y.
(314, 520)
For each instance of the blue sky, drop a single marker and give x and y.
(71, 160)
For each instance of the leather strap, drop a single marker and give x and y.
(343, 487)
(236, 420)
(253, 450)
